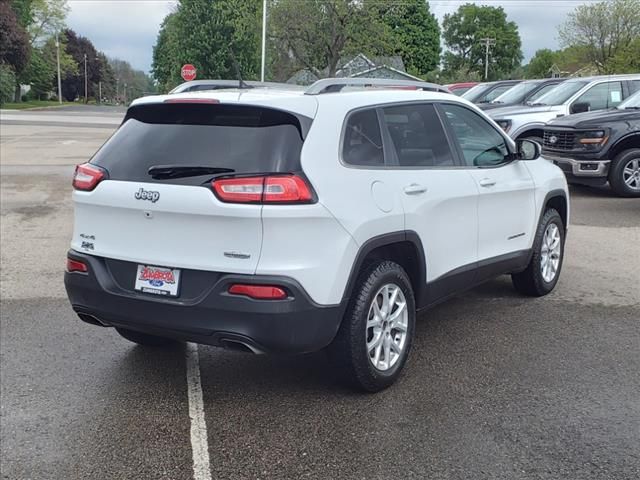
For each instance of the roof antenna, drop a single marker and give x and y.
(241, 85)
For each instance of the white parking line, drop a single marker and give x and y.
(199, 443)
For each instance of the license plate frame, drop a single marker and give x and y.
(159, 281)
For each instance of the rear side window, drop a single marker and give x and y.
(603, 95)
(244, 138)
(363, 140)
(418, 136)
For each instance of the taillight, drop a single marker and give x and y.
(76, 266)
(267, 189)
(259, 292)
(87, 176)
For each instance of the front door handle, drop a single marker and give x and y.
(487, 182)
(414, 189)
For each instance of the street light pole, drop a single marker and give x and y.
(86, 99)
(488, 42)
(58, 62)
(264, 37)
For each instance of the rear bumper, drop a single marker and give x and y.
(204, 313)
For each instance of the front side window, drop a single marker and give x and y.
(496, 92)
(543, 91)
(601, 96)
(481, 144)
(363, 140)
(417, 136)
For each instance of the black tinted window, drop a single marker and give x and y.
(245, 139)
(418, 136)
(481, 144)
(362, 140)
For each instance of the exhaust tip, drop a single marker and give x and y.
(239, 346)
(85, 317)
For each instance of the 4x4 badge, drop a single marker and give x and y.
(150, 195)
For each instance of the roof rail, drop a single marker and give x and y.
(331, 85)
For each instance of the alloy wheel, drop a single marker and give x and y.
(550, 253)
(387, 326)
(631, 174)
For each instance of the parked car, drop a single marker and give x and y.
(460, 88)
(523, 93)
(575, 95)
(288, 221)
(595, 147)
(486, 92)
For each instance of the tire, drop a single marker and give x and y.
(535, 281)
(626, 163)
(352, 349)
(143, 338)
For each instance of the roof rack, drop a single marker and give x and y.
(331, 85)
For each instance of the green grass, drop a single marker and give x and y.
(33, 104)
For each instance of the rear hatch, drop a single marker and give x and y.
(176, 220)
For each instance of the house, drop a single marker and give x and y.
(360, 66)
(572, 71)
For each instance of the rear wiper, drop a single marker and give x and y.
(161, 172)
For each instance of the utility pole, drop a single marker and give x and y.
(86, 97)
(125, 94)
(58, 62)
(100, 92)
(264, 37)
(488, 43)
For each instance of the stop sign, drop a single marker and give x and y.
(188, 72)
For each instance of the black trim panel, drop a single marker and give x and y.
(469, 276)
(206, 313)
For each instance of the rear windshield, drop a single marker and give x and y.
(247, 139)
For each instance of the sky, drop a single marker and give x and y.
(127, 29)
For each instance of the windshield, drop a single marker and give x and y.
(516, 93)
(632, 102)
(476, 92)
(561, 93)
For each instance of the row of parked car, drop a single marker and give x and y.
(589, 127)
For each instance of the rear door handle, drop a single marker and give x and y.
(487, 182)
(414, 189)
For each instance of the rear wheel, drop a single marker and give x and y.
(374, 339)
(143, 338)
(543, 271)
(624, 175)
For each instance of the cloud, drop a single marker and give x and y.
(127, 29)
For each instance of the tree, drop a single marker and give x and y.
(318, 33)
(14, 48)
(73, 83)
(541, 63)
(415, 34)
(463, 32)
(48, 18)
(209, 35)
(627, 60)
(39, 74)
(603, 29)
(165, 66)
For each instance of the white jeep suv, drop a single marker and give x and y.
(286, 222)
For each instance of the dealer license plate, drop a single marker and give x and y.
(158, 280)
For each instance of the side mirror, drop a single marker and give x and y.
(528, 149)
(580, 107)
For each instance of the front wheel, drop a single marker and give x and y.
(624, 174)
(374, 339)
(543, 271)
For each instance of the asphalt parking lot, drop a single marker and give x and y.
(497, 387)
